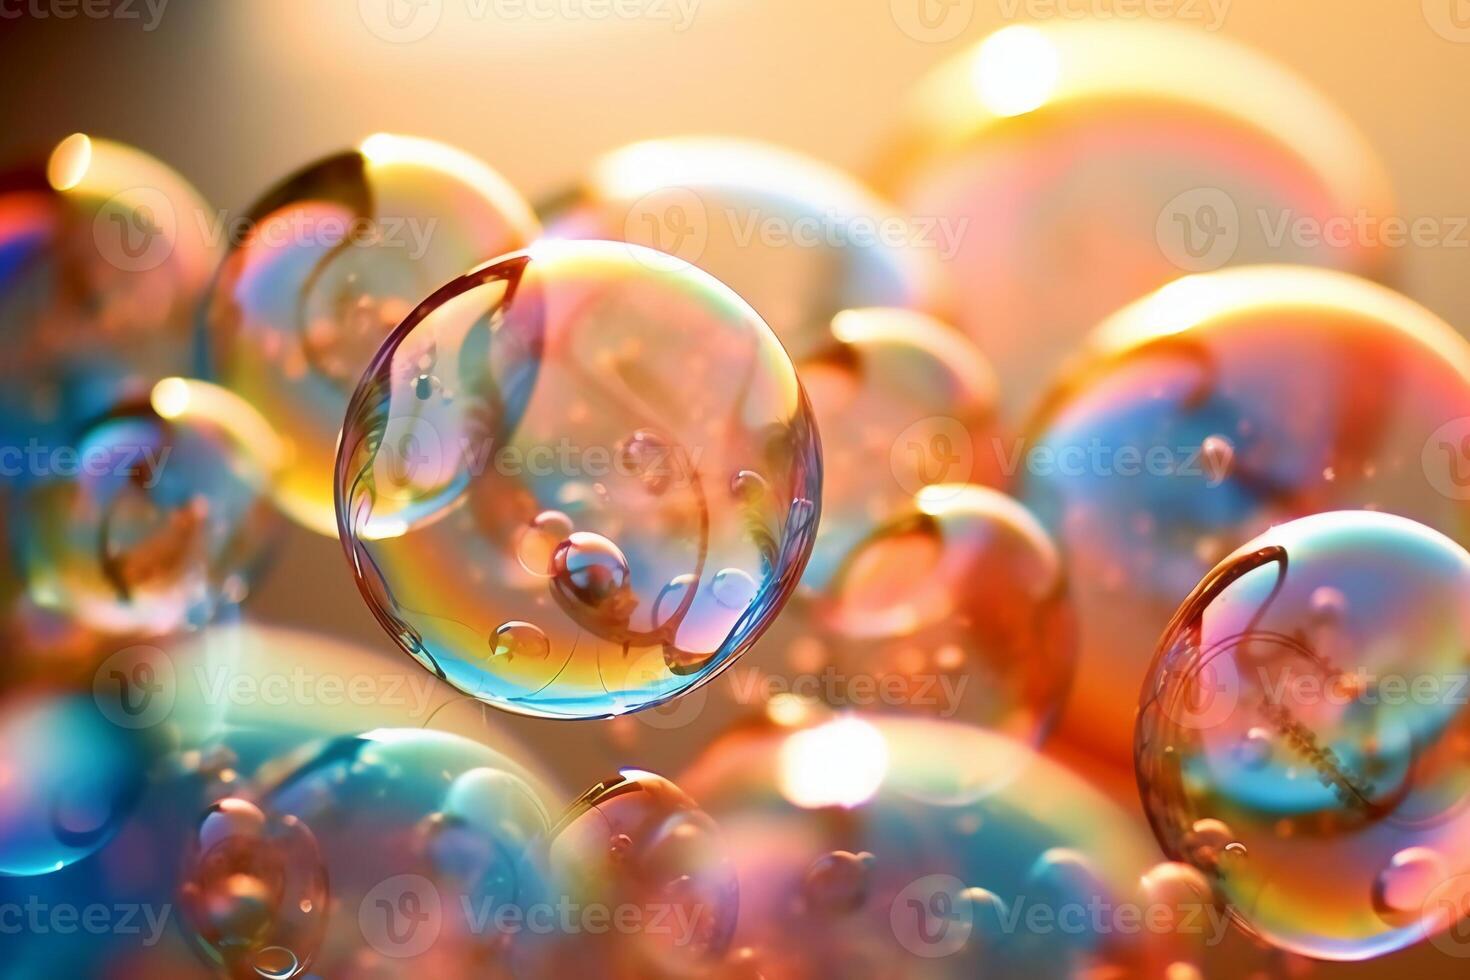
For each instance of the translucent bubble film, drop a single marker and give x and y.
(557, 495)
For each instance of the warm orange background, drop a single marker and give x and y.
(236, 94)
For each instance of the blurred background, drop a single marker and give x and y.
(235, 95)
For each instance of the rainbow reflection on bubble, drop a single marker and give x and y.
(389, 852)
(1216, 407)
(894, 847)
(322, 268)
(1303, 731)
(167, 518)
(104, 255)
(579, 480)
(799, 239)
(957, 607)
(1094, 162)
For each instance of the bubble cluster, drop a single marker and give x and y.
(105, 257)
(604, 498)
(391, 852)
(957, 607)
(641, 852)
(800, 240)
(1303, 730)
(1093, 162)
(322, 268)
(1214, 408)
(862, 848)
(167, 518)
(255, 892)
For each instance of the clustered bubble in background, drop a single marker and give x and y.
(990, 589)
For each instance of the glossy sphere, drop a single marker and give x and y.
(1303, 732)
(902, 847)
(902, 401)
(957, 608)
(1216, 407)
(104, 255)
(424, 838)
(70, 780)
(800, 240)
(1094, 162)
(324, 267)
(637, 844)
(167, 518)
(255, 892)
(602, 497)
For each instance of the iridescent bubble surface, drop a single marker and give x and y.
(606, 499)
(902, 401)
(322, 268)
(104, 255)
(69, 778)
(1093, 162)
(639, 848)
(166, 518)
(903, 847)
(424, 842)
(1213, 409)
(957, 607)
(799, 239)
(255, 891)
(1303, 731)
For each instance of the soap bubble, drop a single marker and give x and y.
(321, 270)
(1309, 755)
(957, 608)
(70, 778)
(607, 498)
(637, 851)
(1094, 162)
(384, 854)
(106, 255)
(1213, 409)
(165, 519)
(255, 891)
(800, 240)
(902, 401)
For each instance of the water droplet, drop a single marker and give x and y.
(837, 883)
(518, 639)
(276, 963)
(648, 456)
(590, 580)
(424, 385)
(1401, 890)
(733, 588)
(540, 539)
(1218, 458)
(1255, 749)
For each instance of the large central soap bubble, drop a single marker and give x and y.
(579, 480)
